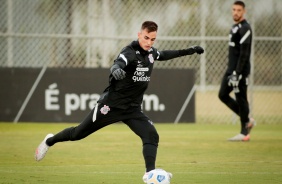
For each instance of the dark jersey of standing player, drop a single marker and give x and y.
(138, 65)
(240, 40)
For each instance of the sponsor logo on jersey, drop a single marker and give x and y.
(142, 69)
(140, 78)
(140, 75)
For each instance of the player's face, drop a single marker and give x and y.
(238, 13)
(146, 40)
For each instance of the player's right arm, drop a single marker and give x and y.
(120, 63)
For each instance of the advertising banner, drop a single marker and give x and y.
(68, 94)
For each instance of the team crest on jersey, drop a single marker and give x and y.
(151, 59)
(104, 110)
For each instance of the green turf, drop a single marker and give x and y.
(194, 153)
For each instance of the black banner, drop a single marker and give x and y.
(68, 94)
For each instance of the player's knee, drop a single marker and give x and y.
(151, 138)
(222, 96)
(155, 137)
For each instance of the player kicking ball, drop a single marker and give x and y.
(122, 99)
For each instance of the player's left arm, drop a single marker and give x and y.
(170, 54)
(245, 48)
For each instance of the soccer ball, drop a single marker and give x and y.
(158, 176)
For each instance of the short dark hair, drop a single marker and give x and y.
(150, 26)
(241, 3)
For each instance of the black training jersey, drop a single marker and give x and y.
(240, 40)
(138, 67)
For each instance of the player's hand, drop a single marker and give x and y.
(198, 49)
(233, 79)
(119, 74)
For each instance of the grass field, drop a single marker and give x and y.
(194, 153)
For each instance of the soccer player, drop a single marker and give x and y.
(238, 70)
(121, 100)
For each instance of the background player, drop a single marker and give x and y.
(238, 70)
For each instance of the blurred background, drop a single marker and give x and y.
(90, 34)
